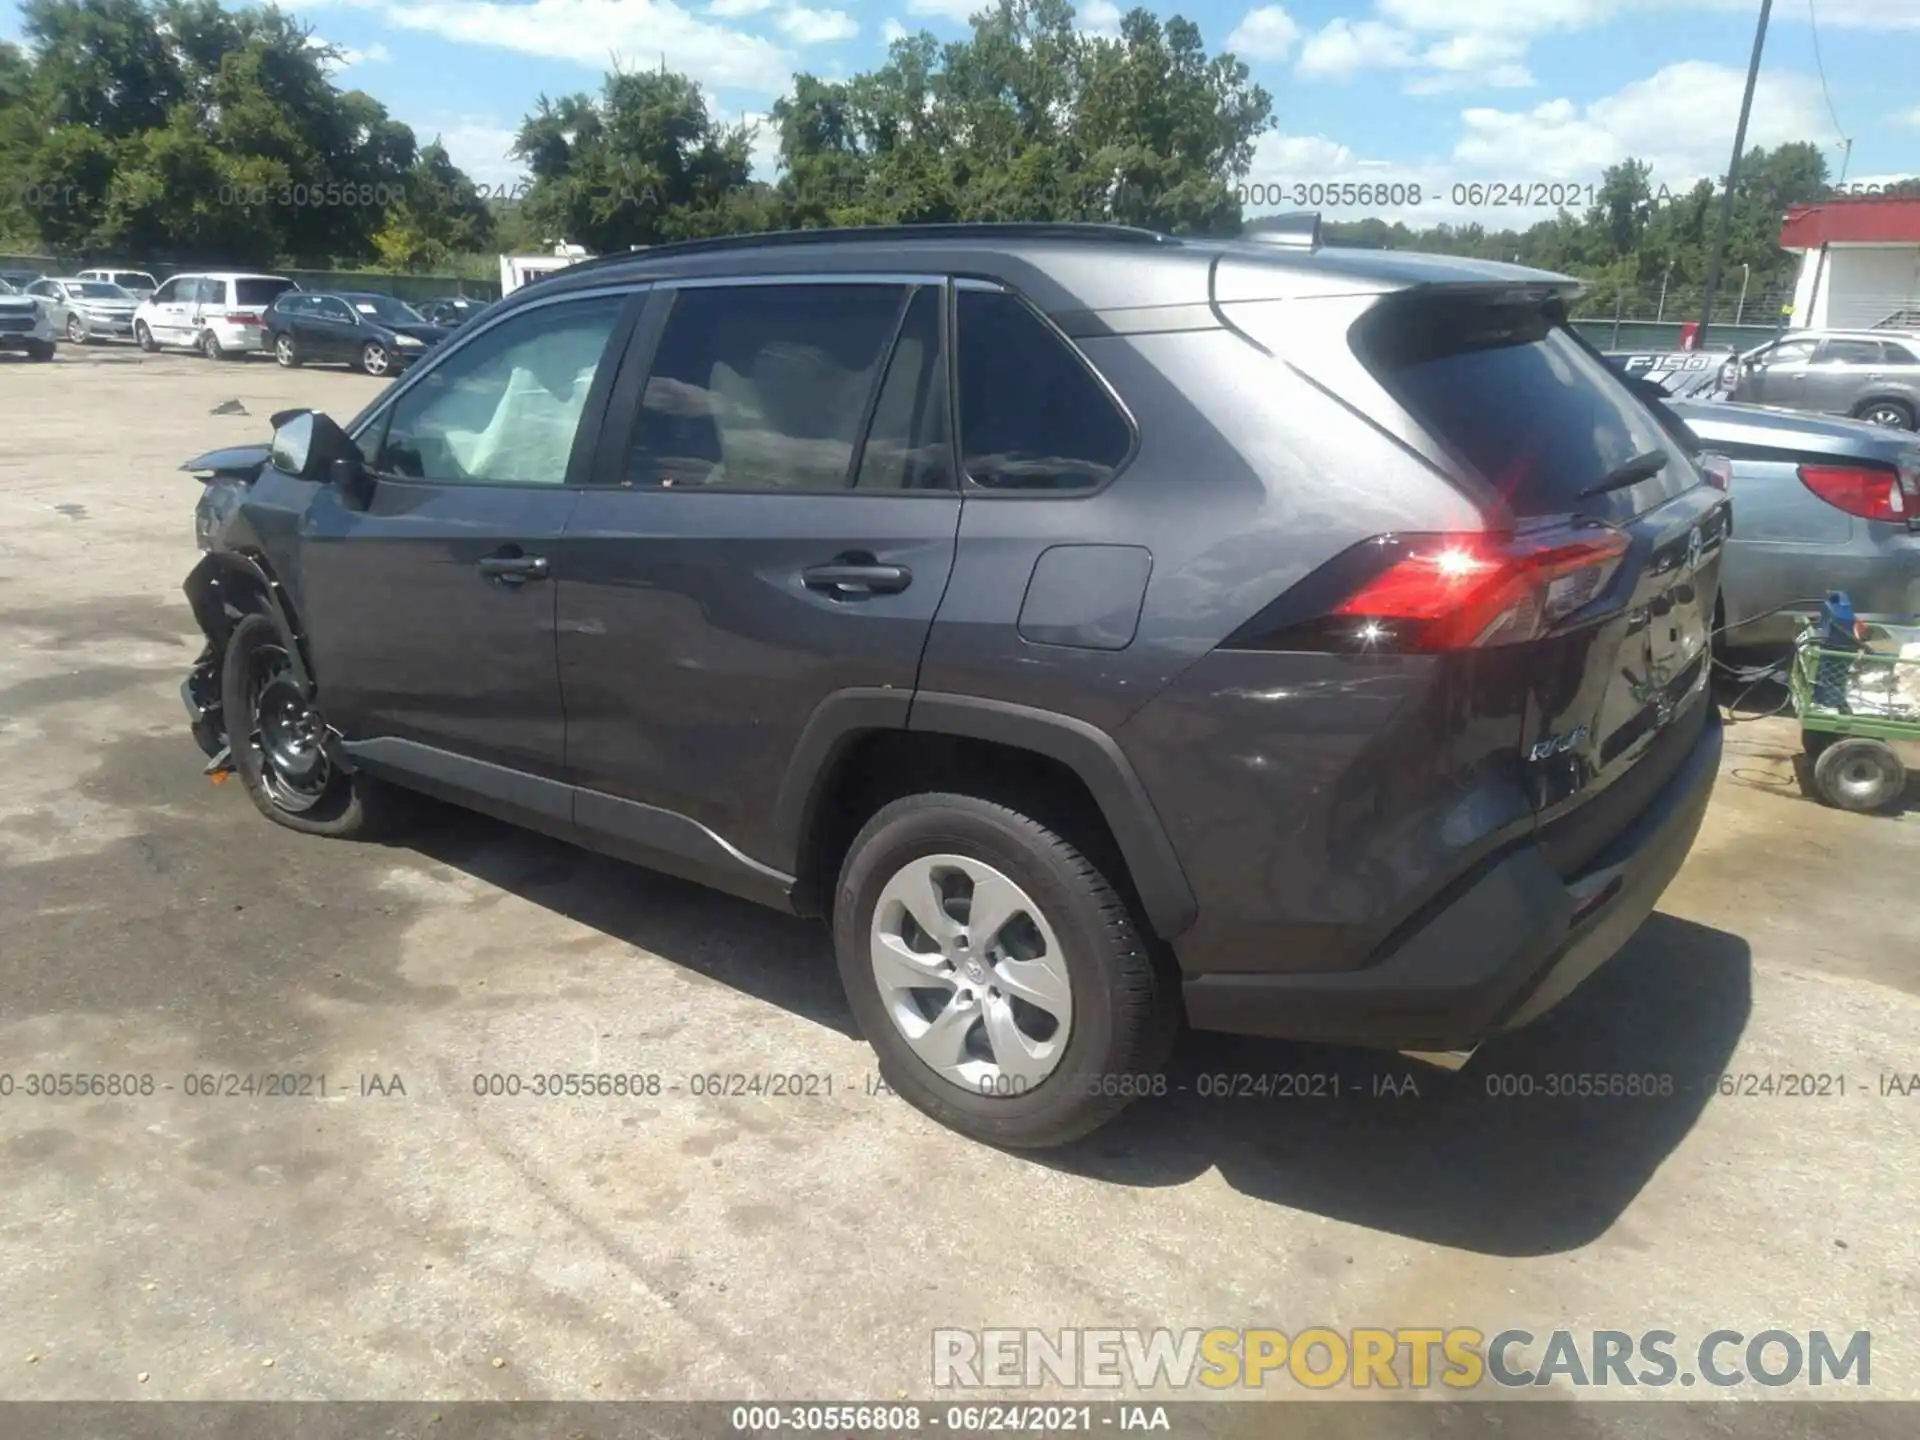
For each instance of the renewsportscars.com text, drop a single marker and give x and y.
(1460, 1358)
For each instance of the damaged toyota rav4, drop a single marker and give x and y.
(1099, 630)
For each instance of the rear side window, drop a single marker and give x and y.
(763, 387)
(1032, 415)
(262, 292)
(1508, 390)
(1852, 352)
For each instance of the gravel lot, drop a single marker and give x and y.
(436, 1244)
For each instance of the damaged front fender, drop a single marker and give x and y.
(220, 589)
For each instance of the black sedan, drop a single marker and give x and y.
(376, 334)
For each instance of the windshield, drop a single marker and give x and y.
(97, 290)
(385, 307)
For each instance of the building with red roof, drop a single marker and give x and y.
(1859, 262)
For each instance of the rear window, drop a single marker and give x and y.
(1509, 391)
(261, 292)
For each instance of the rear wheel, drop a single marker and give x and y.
(279, 742)
(998, 975)
(210, 346)
(374, 359)
(285, 353)
(1858, 774)
(1891, 413)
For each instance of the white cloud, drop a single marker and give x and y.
(1267, 33)
(590, 32)
(1473, 61)
(1680, 121)
(479, 146)
(1344, 47)
(1099, 17)
(816, 27)
(731, 8)
(892, 30)
(960, 12)
(1908, 117)
(346, 57)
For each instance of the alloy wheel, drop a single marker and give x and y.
(1892, 417)
(144, 337)
(210, 345)
(283, 350)
(76, 332)
(374, 359)
(288, 736)
(971, 974)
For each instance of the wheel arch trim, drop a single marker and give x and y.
(1088, 752)
(206, 589)
(1093, 755)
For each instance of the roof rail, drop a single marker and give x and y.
(847, 234)
(1299, 230)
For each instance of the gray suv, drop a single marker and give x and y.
(1865, 374)
(1098, 629)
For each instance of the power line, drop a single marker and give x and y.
(1813, 20)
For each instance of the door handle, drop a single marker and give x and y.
(844, 578)
(514, 569)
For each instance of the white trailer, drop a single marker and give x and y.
(517, 270)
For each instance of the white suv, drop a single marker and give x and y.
(217, 313)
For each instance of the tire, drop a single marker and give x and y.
(143, 337)
(331, 802)
(285, 352)
(1893, 414)
(375, 359)
(76, 332)
(1859, 775)
(1122, 1009)
(40, 350)
(210, 346)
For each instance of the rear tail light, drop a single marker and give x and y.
(1422, 594)
(241, 318)
(1715, 469)
(1872, 494)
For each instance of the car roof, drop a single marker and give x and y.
(225, 275)
(1062, 267)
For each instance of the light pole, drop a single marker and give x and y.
(1733, 175)
(1746, 274)
(1661, 314)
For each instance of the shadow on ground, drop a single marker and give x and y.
(1381, 1141)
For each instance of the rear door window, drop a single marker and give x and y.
(1032, 414)
(764, 387)
(1508, 390)
(1851, 352)
(261, 292)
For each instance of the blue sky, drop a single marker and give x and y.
(1432, 93)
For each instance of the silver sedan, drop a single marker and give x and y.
(85, 310)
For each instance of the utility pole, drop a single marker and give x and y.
(1733, 175)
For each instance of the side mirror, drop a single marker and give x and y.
(308, 444)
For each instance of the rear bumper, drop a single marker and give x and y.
(1503, 952)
